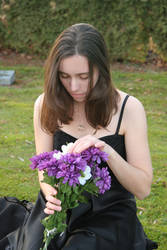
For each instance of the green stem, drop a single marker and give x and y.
(47, 243)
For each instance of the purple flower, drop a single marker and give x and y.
(103, 179)
(70, 167)
(94, 156)
(39, 161)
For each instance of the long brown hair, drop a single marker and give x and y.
(101, 102)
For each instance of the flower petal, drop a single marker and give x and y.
(82, 180)
(57, 155)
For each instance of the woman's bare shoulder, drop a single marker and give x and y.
(134, 112)
(39, 101)
(132, 104)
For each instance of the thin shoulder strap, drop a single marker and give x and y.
(121, 114)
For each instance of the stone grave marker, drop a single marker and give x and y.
(7, 77)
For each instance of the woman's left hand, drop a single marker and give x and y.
(85, 142)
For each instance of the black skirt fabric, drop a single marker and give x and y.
(114, 229)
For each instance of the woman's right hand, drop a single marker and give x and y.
(52, 204)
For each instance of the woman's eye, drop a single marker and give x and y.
(84, 77)
(64, 76)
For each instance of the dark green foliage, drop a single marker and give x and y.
(159, 28)
(32, 26)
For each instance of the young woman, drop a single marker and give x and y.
(81, 105)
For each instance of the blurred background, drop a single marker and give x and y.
(134, 30)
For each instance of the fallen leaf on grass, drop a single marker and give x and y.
(28, 142)
(140, 213)
(138, 80)
(155, 222)
(20, 158)
(141, 208)
(158, 180)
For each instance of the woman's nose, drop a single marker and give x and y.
(74, 84)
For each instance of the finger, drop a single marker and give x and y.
(82, 146)
(51, 211)
(78, 142)
(53, 200)
(48, 211)
(74, 146)
(53, 191)
(53, 207)
(99, 144)
(87, 143)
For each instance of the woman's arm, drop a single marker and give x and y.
(135, 174)
(139, 169)
(44, 143)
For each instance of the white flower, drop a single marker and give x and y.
(86, 176)
(51, 232)
(57, 155)
(65, 148)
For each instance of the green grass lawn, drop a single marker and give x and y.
(17, 141)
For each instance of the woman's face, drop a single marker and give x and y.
(74, 75)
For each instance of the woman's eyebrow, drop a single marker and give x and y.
(82, 73)
(62, 72)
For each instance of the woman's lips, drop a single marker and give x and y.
(78, 95)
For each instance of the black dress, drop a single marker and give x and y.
(107, 222)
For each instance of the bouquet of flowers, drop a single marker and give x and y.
(71, 174)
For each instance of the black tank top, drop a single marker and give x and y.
(117, 142)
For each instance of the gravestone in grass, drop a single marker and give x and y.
(7, 77)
